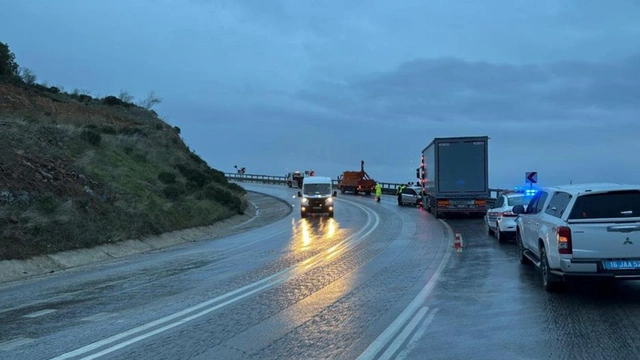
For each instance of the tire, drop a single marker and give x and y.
(490, 231)
(499, 235)
(523, 259)
(342, 190)
(303, 215)
(331, 214)
(549, 282)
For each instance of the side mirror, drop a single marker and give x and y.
(518, 209)
(335, 193)
(299, 194)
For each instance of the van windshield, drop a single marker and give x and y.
(317, 189)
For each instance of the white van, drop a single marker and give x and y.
(317, 196)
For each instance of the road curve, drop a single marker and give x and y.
(348, 287)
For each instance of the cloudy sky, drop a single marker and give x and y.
(277, 85)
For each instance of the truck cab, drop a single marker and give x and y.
(295, 178)
(317, 196)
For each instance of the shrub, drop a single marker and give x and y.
(48, 204)
(173, 192)
(132, 131)
(114, 101)
(195, 157)
(237, 188)
(194, 176)
(108, 129)
(91, 136)
(167, 178)
(225, 198)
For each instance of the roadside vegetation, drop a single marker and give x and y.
(77, 171)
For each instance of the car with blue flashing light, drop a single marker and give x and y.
(581, 230)
(500, 219)
(316, 196)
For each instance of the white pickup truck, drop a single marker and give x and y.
(588, 230)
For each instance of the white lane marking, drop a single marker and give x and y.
(418, 335)
(395, 345)
(22, 306)
(165, 319)
(98, 317)
(40, 313)
(245, 291)
(383, 339)
(14, 343)
(179, 322)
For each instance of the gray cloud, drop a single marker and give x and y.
(457, 90)
(286, 84)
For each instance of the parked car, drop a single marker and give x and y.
(500, 219)
(587, 230)
(412, 195)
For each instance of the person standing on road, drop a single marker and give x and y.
(400, 189)
(378, 192)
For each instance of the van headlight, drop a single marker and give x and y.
(304, 201)
(329, 201)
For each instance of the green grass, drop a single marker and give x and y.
(116, 173)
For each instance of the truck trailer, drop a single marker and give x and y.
(454, 173)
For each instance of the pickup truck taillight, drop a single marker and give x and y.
(563, 236)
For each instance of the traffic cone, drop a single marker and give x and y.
(457, 242)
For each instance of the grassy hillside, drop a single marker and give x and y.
(77, 171)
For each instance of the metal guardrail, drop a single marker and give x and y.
(387, 188)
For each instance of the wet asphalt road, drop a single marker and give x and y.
(378, 281)
(489, 306)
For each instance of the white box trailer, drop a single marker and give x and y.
(455, 175)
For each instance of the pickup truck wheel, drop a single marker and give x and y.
(523, 259)
(549, 282)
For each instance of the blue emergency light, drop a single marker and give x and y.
(526, 192)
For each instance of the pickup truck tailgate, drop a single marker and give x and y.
(605, 240)
(606, 225)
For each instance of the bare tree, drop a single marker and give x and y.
(125, 96)
(78, 92)
(151, 100)
(28, 76)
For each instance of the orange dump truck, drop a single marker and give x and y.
(356, 181)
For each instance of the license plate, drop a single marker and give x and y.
(317, 207)
(622, 264)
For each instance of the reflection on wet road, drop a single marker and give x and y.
(378, 281)
(492, 307)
